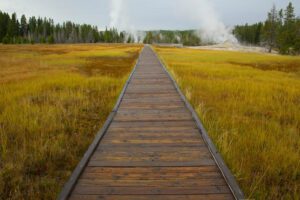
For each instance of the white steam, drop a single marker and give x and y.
(115, 13)
(210, 27)
(119, 18)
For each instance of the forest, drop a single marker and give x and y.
(43, 30)
(186, 37)
(280, 31)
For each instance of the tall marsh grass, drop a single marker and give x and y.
(53, 101)
(250, 106)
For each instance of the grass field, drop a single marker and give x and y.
(250, 106)
(53, 101)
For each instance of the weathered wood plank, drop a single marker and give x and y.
(151, 197)
(148, 155)
(161, 124)
(151, 141)
(162, 181)
(124, 117)
(163, 176)
(152, 135)
(152, 170)
(92, 189)
(169, 152)
(154, 162)
(146, 145)
(156, 111)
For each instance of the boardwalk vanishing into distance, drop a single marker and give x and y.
(152, 146)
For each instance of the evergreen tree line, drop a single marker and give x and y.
(188, 37)
(280, 31)
(43, 30)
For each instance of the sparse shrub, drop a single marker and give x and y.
(51, 39)
(6, 40)
(43, 40)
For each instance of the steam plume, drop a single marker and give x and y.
(201, 12)
(115, 13)
(119, 18)
(211, 28)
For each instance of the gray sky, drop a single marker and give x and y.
(146, 14)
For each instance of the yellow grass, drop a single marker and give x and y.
(250, 106)
(53, 101)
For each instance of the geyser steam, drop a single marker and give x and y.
(211, 28)
(119, 18)
(201, 13)
(115, 12)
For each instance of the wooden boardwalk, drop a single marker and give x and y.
(151, 147)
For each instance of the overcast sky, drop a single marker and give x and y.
(145, 14)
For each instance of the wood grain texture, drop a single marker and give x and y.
(153, 148)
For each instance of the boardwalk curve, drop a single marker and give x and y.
(152, 146)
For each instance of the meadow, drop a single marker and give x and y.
(54, 99)
(250, 106)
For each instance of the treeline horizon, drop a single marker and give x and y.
(280, 31)
(44, 30)
(184, 37)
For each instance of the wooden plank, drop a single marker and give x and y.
(151, 100)
(164, 176)
(136, 150)
(151, 81)
(139, 116)
(153, 97)
(151, 88)
(151, 197)
(90, 189)
(163, 131)
(151, 141)
(177, 145)
(161, 124)
(152, 170)
(151, 162)
(178, 104)
(151, 107)
(151, 135)
(152, 129)
(161, 181)
(153, 111)
(148, 155)
(174, 95)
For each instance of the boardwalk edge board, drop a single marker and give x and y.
(229, 178)
(69, 186)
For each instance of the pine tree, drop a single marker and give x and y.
(13, 28)
(288, 33)
(289, 14)
(271, 28)
(32, 26)
(4, 21)
(24, 28)
(297, 40)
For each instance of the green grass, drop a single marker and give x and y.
(250, 106)
(53, 101)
